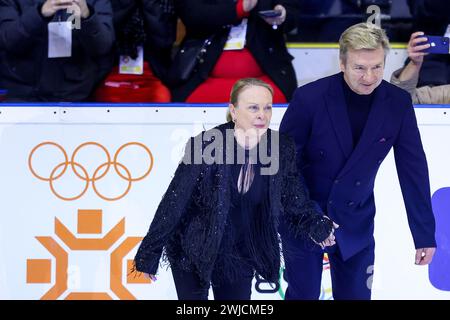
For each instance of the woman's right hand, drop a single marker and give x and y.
(249, 5)
(151, 277)
(330, 240)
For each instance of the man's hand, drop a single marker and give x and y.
(50, 7)
(249, 5)
(424, 256)
(276, 21)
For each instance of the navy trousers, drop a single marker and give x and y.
(351, 279)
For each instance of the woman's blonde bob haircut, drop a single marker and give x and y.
(362, 36)
(240, 85)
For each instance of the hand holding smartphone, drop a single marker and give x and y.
(269, 13)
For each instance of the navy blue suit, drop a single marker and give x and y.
(341, 179)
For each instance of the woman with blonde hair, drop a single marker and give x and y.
(217, 222)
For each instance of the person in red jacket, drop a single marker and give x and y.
(145, 31)
(235, 41)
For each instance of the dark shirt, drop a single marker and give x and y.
(248, 209)
(243, 205)
(358, 108)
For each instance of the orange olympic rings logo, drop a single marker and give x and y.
(81, 172)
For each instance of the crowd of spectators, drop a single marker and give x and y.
(126, 50)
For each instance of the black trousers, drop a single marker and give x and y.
(189, 286)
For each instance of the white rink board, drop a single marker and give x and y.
(29, 207)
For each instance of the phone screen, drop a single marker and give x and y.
(269, 13)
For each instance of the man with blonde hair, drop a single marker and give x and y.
(344, 125)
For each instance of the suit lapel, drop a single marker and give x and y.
(375, 119)
(337, 110)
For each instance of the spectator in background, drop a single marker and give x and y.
(408, 76)
(227, 40)
(433, 18)
(145, 32)
(27, 71)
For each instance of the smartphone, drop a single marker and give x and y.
(439, 45)
(269, 13)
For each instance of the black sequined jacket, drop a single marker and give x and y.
(190, 220)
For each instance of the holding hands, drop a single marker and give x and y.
(330, 240)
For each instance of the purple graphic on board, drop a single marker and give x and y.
(439, 269)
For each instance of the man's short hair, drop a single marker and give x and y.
(362, 36)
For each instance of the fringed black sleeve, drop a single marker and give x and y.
(304, 216)
(169, 213)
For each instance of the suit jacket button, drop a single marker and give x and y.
(357, 183)
(351, 203)
(330, 202)
(336, 181)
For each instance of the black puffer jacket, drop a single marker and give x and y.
(193, 234)
(27, 72)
